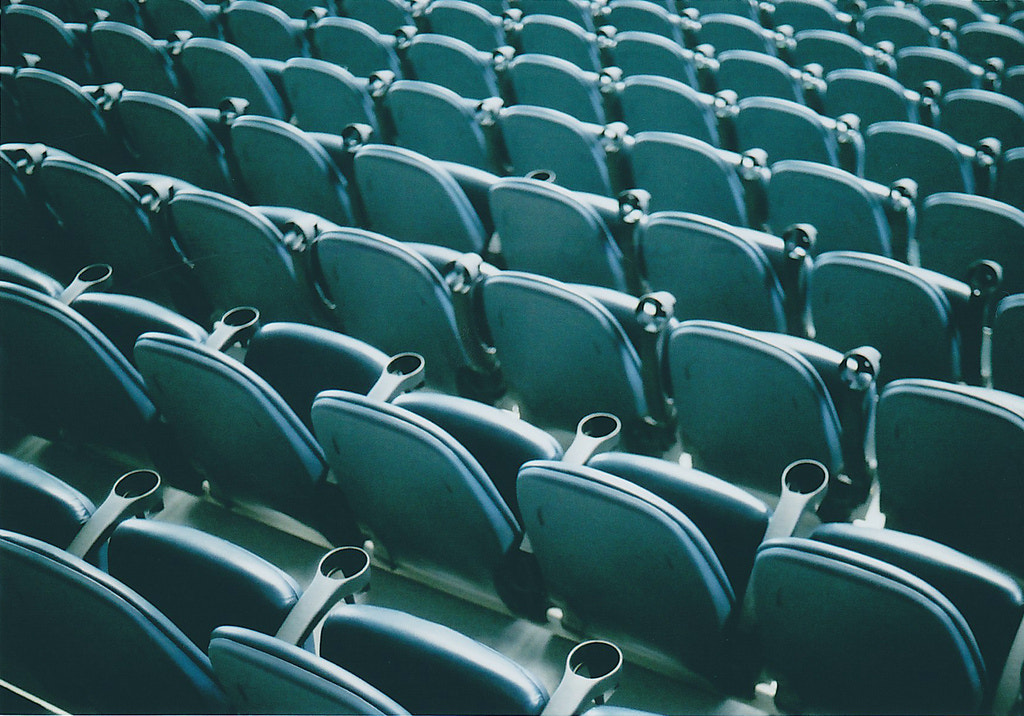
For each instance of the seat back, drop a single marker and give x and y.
(559, 37)
(685, 174)
(454, 64)
(218, 70)
(646, 53)
(360, 272)
(466, 21)
(355, 46)
(65, 380)
(169, 138)
(546, 81)
(262, 674)
(933, 159)
(281, 165)
(585, 528)
(543, 139)
(955, 230)
(135, 59)
(263, 30)
(755, 74)
(949, 461)
(410, 197)
(918, 654)
(574, 245)
(88, 643)
(970, 115)
(713, 270)
(391, 465)
(871, 96)
(661, 104)
(750, 404)
(325, 97)
(563, 354)
(785, 130)
(247, 442)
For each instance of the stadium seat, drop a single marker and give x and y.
(465, 21)
(355, 46)
(848, 212)
(218, 70)
(85, 641)
(1007, 344)
(948, 460)
(917, 65)
(925, 324)
(755, 74)
(1010, 180)
(940, 623)
(831, 50)
(59, 48)
(645, 53)
(809, 15)
(643, 16)
(263, 30)
(552, 231)
(131, 57)
(970, 115)
(559, 37)
(410, 197)
(735, 32)
(658, 104)
(873, 97)
(454, 64)
(787, 130)
(902, 26)
(384, 16)
(735, 389)
(955, 230)
(980, 40)
(545, 81)
(685, 174)
(325, 97)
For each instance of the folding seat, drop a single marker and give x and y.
(263, 30)
(384, 16)
(750, 403)
(724, 273)
(105, 220)
(434, 121)
(164, 18)
(137, 61)
(169, 138)
(755, 74)
(241, 257)
(580, 12)
(410, 197)
(955, 230)
(70, 117)
(280, 165)
(873, 97)
(1007, 344)
(960, 11)
(466, 21)
(14, 271)
(925, 324)
(787, 130)
(645, 53)
(559, 37)
(1010, 180)
(643, 16)
(576, 153)
(391, 460)
(36, 31)
(568, 351)
(902, 26)
(39, 505)
(849, 213)
(978, 41)
(949, 461)
(545, 81)
(832, 50)
(548, 230)
(679, 594)
(743, 8)
(970, 115)
(64, 380)
(357, 268)
(685, 174)
(933, 159)
(325, 97)
(1013, 83)
(660, 104)
(86, 642)
(246, 444)
(907, 624)
(454, 64)
(426, 667)
(355, 46)
(217, 70)
(917, 65)
(734, 32)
